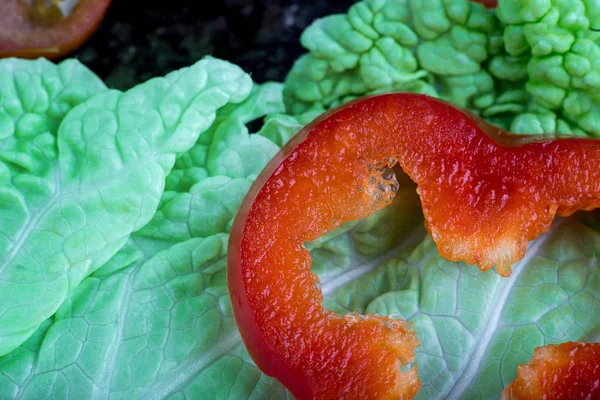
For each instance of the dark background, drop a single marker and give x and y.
(140, 39)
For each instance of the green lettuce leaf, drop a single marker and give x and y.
(155, 320)
(82, 168)
(531, 67)
(437, 47)
(557, 42)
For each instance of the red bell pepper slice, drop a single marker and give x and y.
(27, 31)
(484, 194)
(559, 372)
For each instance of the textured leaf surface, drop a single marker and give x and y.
(155, 320)
(435, 47)
(531, 67)
(564, 68)
(82, 180)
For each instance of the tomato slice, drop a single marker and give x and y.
(559, 372)
(27, 31)
(484, 194)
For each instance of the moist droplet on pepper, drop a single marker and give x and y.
(484, 195)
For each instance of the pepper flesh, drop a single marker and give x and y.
(559, 372)
(484, 194)
(24, 35)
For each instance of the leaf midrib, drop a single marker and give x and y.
(33, 222)
(502, 294)
(356, 272)
(103, 386)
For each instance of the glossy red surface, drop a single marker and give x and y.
(484, 194)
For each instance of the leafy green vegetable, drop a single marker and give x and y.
(435, 47)
(34, 99)
(532, 67)
(561, 40)
(83, 167)
(163, 328)
(155, 319)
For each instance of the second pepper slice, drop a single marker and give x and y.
(559, 372)
(484, 194)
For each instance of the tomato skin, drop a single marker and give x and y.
(559, 372)
(484, 194)
(25, 37)
(487, 3)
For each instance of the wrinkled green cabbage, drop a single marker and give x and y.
(83, 167)
(530, 67)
